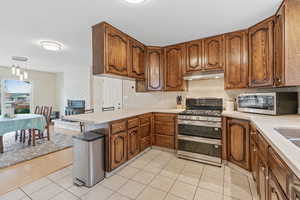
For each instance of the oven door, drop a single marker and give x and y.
(199, 149)
(200, 129)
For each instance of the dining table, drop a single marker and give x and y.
(20, 122)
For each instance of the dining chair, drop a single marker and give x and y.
(37, 134)
(22, 133)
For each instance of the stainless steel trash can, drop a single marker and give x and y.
(88, 158)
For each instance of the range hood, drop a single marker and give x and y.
(204, 75)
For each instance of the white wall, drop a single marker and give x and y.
(44, 86)
(74, 84)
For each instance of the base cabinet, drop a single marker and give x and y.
(274, 190)
(164, 130)
(118, 149)
(262, 178)
(274, 179)
(133, 142)
(238, 142)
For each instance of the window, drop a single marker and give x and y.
(17, 92)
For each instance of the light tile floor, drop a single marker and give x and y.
(156, 175)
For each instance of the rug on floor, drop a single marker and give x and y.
(16, 152)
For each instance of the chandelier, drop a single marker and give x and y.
(19, 66)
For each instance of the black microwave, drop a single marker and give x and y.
(273, 103)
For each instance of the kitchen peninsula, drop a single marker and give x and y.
(129, 132)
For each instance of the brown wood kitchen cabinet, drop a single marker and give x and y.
(214, 51)
(236, 65)
(137, 60)
(253, 152)
(274, 190)
(154, 71)
(238, 138)
(286, 44)
(262, 177)
(154, 67)
(118, 149)
(133, 142)
(194, 56)
(174, 68)
(110, 50)
(261, 65)
(145, 131)
(164, 130)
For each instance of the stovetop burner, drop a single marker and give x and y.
(204, 107)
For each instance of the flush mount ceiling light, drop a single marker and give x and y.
(134, 1)
(51, 45)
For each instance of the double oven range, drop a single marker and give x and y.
(199, 131)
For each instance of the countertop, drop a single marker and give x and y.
(105, 117)
(288, 151)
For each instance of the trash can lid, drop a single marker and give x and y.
(88, 136)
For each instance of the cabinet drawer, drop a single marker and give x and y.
(145, 118)
(117, 127)
(165, 141)
(164, 117)
(164, 128)
(145, 143)
(262, 145)
(132, 123)
(279, 169)
(145, 130)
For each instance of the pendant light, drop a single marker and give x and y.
(19, 67)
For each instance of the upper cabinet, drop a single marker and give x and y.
(154, 67)
(214, 53)
(261, 54)
(287, 44)
(236, 65)
(194, 56)
(279, 47)
(137, 60)
(110, 51)
(174, 66)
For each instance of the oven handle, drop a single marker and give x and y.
(200, 123)
(200, 139)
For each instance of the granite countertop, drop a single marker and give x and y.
(288, 151)
(105, 117)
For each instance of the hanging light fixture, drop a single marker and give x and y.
(16, 69)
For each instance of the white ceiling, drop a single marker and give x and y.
(156, 22)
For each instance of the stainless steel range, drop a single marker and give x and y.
(199, 131)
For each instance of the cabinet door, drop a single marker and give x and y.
(236, 66)
(262, 177)
(194, 56)
(117, 45)
(133, 142)
(118, 149)
(214, 53)
(294, 188)
(137, 60)
(238, 142)
(274, 190)
(261, 54)
(154, 66)
(279, 45)
(253, 156)
(174, 66)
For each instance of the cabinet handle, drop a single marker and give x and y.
(254, 150)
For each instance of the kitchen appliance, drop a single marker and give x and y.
(88, 158)
(273, 103)
(204, 75)
(75, 107)
(199, 130)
